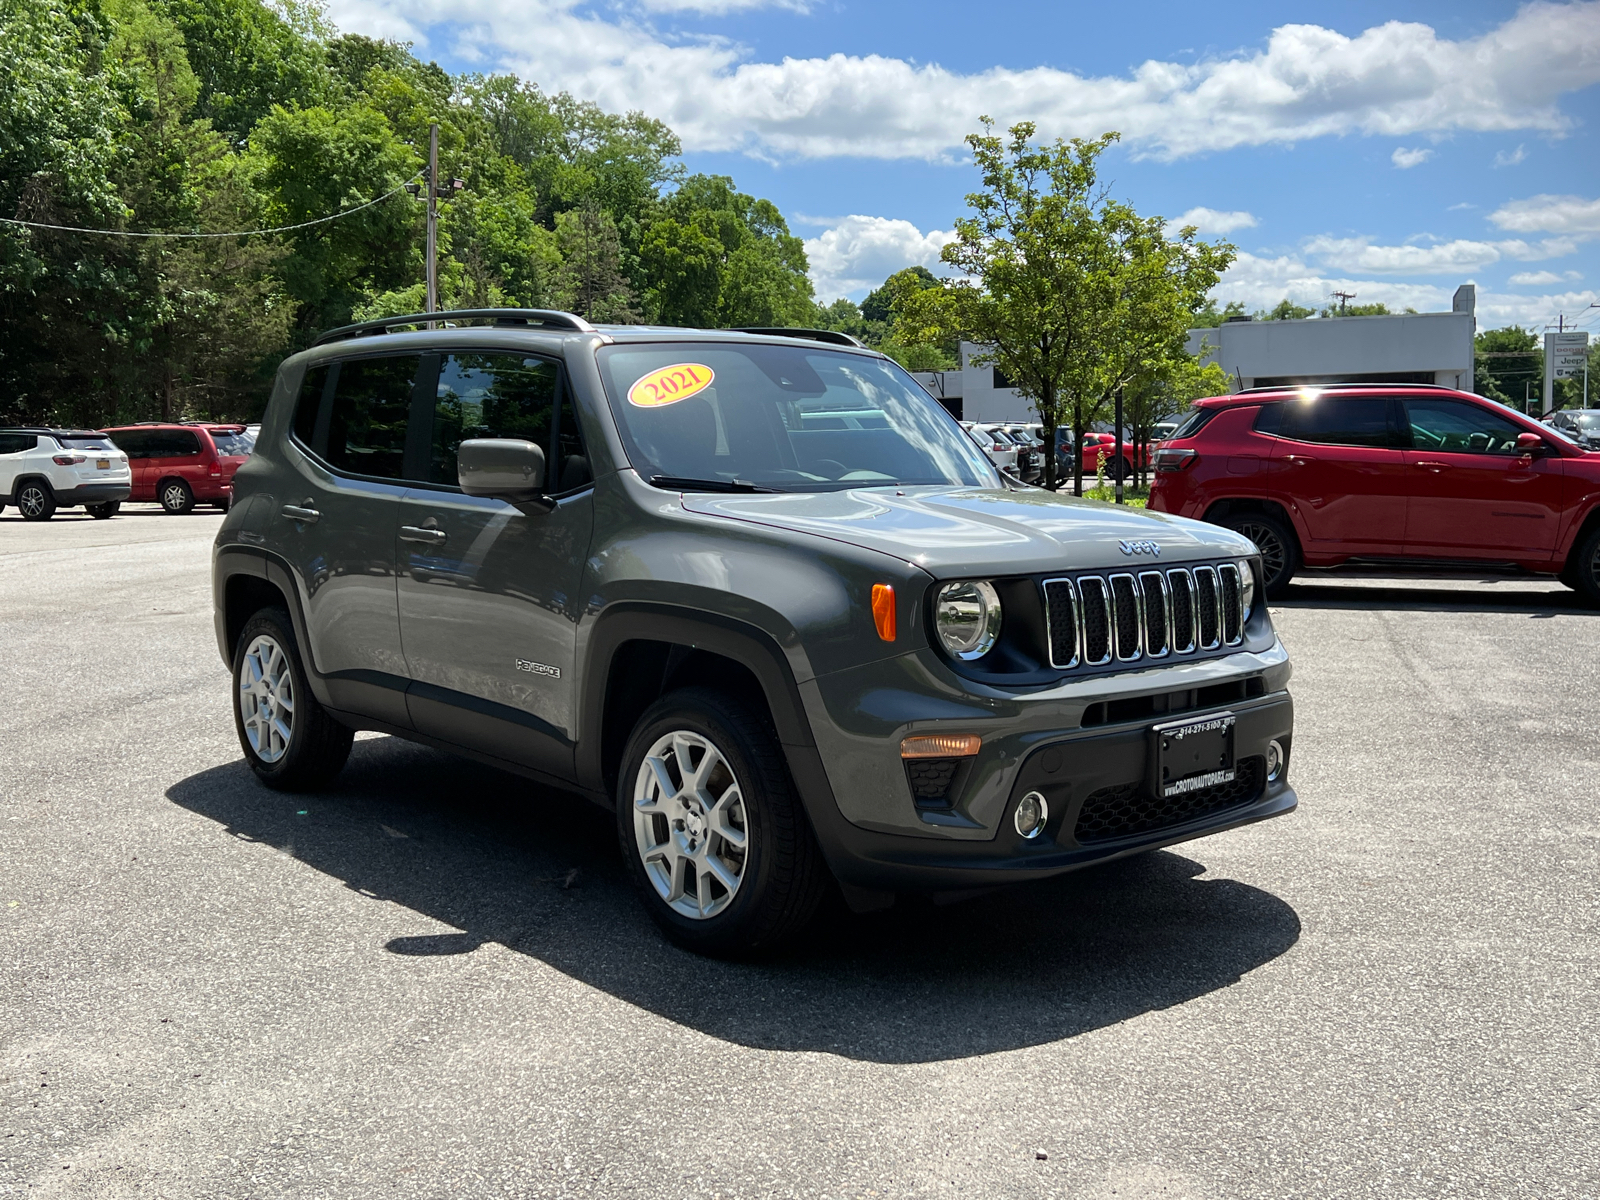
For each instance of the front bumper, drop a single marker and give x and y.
(94, 493)
(1069, 768)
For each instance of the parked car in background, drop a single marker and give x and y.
(1030, 456)
(1582, 425)
(181, 465)
(1162, 430)
(1002, 451)
(44, 469)
(1096, 444)
(1394, 474)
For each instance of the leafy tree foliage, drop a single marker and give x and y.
(1074, 293)
(222, 115)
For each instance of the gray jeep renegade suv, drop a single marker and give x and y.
(755, 591)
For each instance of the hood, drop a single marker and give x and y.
(956, 532)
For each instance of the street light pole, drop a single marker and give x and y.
(433, 220)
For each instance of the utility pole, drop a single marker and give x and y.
(1119, 444)
(433, 220)
(1341, 297)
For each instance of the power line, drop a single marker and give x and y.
(238, 233)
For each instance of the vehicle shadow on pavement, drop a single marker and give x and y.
(540, 872)
(1503, 598)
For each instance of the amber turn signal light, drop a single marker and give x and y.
(883, 610)
(941, 745)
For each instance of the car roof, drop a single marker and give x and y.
(52, 430)
(411, 327)
(209, 426)
(1266, 395)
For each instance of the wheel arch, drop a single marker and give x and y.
(1584, 528)
(1234, 505)
(639, 652)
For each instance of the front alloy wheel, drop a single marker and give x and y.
(689, 824)
(35, 502)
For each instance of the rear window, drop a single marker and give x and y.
(1194, 422)
(98, 442)
(231, 445)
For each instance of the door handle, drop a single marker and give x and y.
(415, 533)
(295, 513)
(1434, 466)
(1298, 460)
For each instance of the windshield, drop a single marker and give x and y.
(234, 445)
(789, 418)
(100, 442)
(1586, 421)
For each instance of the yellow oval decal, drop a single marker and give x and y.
(670, 384)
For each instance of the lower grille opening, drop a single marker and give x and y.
(1135, 708)
(935, 782)
(1127, 810)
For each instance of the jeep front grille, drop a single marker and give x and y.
(1097, 619)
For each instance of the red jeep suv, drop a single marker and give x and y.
(1319, 476)
(182, 465)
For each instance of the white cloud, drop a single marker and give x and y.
(1261, 282)
(859, 253)
(1441, 258)
(1406, 159)
(1542, 278)
(1502, 159)
(1396, 80)
(1549, 214)
(718, 7)
(1211, 220)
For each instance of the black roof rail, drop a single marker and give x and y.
(547, 318)
(831, 336)
(1323, 387)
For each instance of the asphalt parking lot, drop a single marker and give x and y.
(433, 982)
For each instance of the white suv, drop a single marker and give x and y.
(42, 470)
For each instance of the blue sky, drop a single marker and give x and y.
(1392, 150)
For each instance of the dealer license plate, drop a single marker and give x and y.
(1191, 755)
(103, 464)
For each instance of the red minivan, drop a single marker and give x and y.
(1319, 476)
(180, 466)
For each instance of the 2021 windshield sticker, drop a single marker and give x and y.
(668, 385)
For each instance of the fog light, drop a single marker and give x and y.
(1274, 762)
(1033, 810)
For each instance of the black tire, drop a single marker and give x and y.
(176, 496)
(35, 501)
(783, 877)
(103, 512)
(1583, 569)
(1120, 470)
(317, 746)
(1280, 549)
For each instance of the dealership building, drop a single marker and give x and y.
(1403, 348)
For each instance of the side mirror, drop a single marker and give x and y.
(503, 468)
(1530, 443)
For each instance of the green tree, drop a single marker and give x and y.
(590, 280)
(1285, 311)
(1208, 317)
(1508, 366)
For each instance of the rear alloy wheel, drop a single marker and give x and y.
(716, 839)
(1583, 572)
(289, 740)
(36, 501)
(177, 497)
(1280, 553)
(103, 512)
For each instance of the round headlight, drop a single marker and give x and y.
(1247, 587)
(967, 616)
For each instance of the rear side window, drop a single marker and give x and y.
(371, 408)
(490, 396)
(1459, 427)
(174, 443)
(1269, 420)
(308, 404)
(1340, 421)
(1192, 424)
(16, 443)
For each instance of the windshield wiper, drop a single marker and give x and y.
(684, 483)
